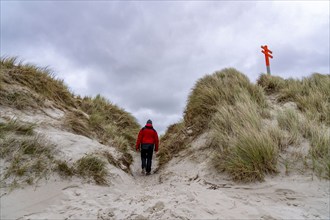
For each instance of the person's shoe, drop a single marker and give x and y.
(148, 173)
(143, 171)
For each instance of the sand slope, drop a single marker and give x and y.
(187, 188)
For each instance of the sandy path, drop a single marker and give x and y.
(178, 192)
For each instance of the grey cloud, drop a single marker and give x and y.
(146, 56)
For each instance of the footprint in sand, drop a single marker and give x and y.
(284, 192)
(106, 214)
(288, 195)
(157, 207)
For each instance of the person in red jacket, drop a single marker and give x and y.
(146, 142)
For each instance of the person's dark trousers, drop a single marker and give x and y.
(146, 156)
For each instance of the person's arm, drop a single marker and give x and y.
(138, 141)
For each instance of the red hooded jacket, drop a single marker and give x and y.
(147, 135)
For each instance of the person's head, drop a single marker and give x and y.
(149, 122)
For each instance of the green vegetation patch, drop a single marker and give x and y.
(92, 166)
(17, 127)
(253, 155)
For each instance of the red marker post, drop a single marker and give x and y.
(267, 53)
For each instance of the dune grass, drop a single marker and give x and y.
(311, 94)
(109, 122)
(78, 122)
(64, 169)
(289, 121)
(222, 88)
(234, 111)
(244, 148)
(253, 155)
(225, 104)
(320, 151)
(88, 167)
(42, 81)
(29, 86)
(92, 166)
(14, 126)
(28, 158)
(175, 139)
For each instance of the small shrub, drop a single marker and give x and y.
(254, 155)
(18, 127)
(271, 84)
(91, 166)
(34, 146)
(64, 169)
(27, 157)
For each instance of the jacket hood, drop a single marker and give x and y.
(149, 125)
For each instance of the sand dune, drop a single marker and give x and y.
(185, 189)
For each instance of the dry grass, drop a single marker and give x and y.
(109, 122)
(320, 151)
(91, 166)
(28, 158)
(78, 122)
(271, 84)
(244, 149)
(311, 94)
(63, 168)
(253, 155)
(14, 126)
(235, 111)
(28, 86)
(175, 139)
(42, 81)
(289, 121)
(219, 89)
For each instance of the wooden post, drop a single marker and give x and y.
(267, 53)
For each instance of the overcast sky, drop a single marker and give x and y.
(145, 56)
